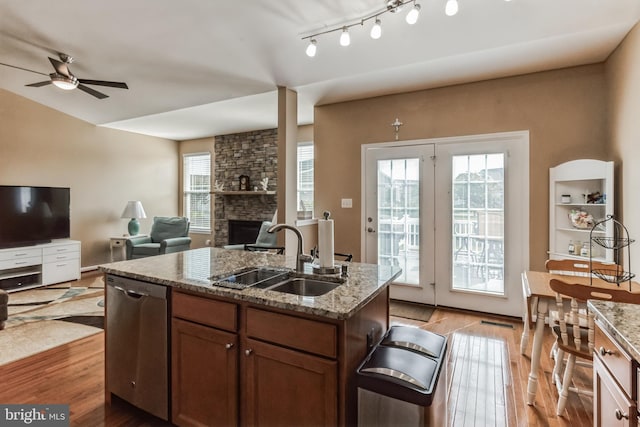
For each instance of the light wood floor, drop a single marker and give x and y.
(486, 378)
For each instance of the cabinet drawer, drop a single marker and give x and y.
(20, 262)
(206, 311)
(14, 254)
(63, 256)
(60, 249)
(60, 271)
(294, 332)
(617, 361)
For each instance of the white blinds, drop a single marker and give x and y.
(305, 177)
(197, 185)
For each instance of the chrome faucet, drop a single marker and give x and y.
(301, 257)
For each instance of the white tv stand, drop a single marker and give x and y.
(39, 265)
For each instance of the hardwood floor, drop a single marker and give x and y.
(486, 378)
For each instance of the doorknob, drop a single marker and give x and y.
(371, 230)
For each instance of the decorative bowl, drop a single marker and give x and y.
(581, 219)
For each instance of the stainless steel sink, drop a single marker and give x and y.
(259, 277)
(305, 287)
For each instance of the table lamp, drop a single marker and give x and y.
(133, 210)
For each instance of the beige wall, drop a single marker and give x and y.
(564, 110)
(203, 145)
(103, 167)
(623, 79)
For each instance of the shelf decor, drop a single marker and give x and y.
(616, 243)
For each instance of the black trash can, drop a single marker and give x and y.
(398, 380)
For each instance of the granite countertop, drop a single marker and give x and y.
(191, 270)
(622, 321)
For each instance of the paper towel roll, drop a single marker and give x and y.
(325, 242)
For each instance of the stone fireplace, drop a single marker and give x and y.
(254, 154)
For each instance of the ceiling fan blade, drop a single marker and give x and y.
(61, 67)
(23, 69)
(93, 92)
(104, 83)
(48, 82)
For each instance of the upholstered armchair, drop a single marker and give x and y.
(168, 234)
(264, 242)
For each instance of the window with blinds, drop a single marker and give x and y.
(305, 176)
(197, 185)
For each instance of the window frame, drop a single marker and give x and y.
(300, 190)
(196, 226)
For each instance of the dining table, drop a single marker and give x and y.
(538, 298)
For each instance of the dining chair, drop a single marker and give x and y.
(572, 337)
(571, 267)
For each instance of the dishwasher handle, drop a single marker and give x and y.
(130, 293)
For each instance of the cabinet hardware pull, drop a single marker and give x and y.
(620, 415)
(248, 352)
(604, 351)
(228, 346)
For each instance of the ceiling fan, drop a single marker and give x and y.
(64, 79)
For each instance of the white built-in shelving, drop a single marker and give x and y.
(570, 185)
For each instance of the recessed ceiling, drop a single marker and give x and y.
(199, 68)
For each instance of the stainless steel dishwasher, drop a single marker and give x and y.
(136, 344)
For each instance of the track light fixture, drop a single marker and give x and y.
(412, 16)
(345, 38)
(376, 30)
(311, 49)
(451, 8)
(392, 6)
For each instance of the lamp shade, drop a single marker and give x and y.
(133, 210)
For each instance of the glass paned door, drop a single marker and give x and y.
(478, 223)
(399, 217)
(467, 242)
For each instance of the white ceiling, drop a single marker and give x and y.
(198, 68)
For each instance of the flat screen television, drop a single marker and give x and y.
(32, 215)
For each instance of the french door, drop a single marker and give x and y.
(399, 216)
(453, 214)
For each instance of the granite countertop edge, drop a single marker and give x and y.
(621, 321)
(364, 282)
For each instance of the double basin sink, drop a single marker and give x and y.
(279, 280)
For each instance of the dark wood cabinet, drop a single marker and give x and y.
(241, 364)
(287, 387)
(204, 375)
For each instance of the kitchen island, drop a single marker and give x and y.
(257, 356)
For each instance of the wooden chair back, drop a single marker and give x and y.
(570, 323)
(575, 267)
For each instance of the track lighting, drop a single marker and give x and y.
(311, 49)
(345, 39)
(412, 16)
(451, 8)
(393, 6)
(376, 30)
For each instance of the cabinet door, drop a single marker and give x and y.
(288, 388)
(612, 408)
(204, 375)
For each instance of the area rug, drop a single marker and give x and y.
(43, 318)
(410, 310)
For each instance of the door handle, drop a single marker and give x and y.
(371, 230)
